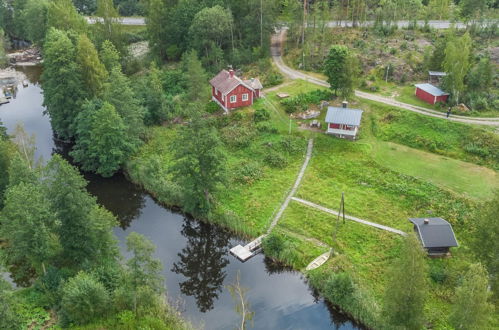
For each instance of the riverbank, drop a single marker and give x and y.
(383, 194)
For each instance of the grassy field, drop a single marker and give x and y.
(458, 176)
(393, 172)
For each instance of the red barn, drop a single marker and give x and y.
(430, 93)
(231, 92)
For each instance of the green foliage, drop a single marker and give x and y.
(301, 101)
(341, 68)
(472, 309)
(109, 28)
(407, 290)
(85, 227)
(195, 78)
(36, 18)
(92, 71)
(248, 172)
(83, 300)
(5, 159)
(261, 114)
(62, 15)
(110, 56)
(119, 93)
(275, 159)
(159, 107)
(3, 56)
(200, 164)
(28, 228)
(102, 143)
(9, 319)
(484, 242)
(457, 64)
(62, 83)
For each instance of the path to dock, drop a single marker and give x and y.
(333, 212)
(243, 253)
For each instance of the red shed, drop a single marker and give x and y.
(430, 93)
(231, 92)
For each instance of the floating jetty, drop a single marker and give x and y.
(251, 249)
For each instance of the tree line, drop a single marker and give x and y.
(61, 247)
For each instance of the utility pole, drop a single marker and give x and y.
(303, 33)
(340, 211)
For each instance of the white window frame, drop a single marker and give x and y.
(233, 98)
(216, 91)
(245, 97)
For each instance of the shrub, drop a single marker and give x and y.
(83, 299)
(237, 136)
(275, 159)
(374, 88)
(301, 101)
(266, 127)
(292, 144)
(248, 172)
(437, 272)
(261, 115)
(212, 107)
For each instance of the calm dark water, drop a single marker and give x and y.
(195, 255)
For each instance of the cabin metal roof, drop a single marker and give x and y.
(225, 83)
(436, 233)
(429, 88)
(343, 116)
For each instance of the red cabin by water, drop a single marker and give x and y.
(230, 91)
(431, 94)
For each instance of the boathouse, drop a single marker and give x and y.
(430, 94)
(343, 122)
(436, 235)
(231, 92)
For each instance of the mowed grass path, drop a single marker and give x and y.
(461, 177)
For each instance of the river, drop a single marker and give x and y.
(195, 255)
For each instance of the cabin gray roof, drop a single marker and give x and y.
(437, 73)
(254, 83)
(436, 233)
(429, 88)
(343, 116)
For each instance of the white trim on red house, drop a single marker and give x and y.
(235, 98)
(245, 97)
(219, 103)
(240, 83)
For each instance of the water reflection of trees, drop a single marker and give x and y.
(202, 262)
(124, 199)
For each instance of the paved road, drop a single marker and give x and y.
(436, 24)
(295, 74)
(123, 20)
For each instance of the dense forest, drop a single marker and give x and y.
(151, 117)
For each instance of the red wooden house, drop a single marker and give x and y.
(430, 93)
(231, 92)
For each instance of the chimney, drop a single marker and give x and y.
(231, 73)
(344, 104)
(426, 221)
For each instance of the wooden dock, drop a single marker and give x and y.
(244, 253)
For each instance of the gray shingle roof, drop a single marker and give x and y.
(437, 73)
(436, 233)
(225, 83)
(344, 116)
(429, 88)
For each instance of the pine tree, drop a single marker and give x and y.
(92, 71)
(154, 99)
(62, 83)
(407, 287)
(196, 79)
(341, 68)
(471, 310)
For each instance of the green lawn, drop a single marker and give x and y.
(461, 177)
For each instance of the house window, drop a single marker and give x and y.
(233, 98)
(245, 97)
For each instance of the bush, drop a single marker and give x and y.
(237, 136)
(292, 144)
(266, 127)
(437, 272)
(248, 172)
(261, 115)
(212, 107)
(84, 299)
(276, 159)
(301, 101)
